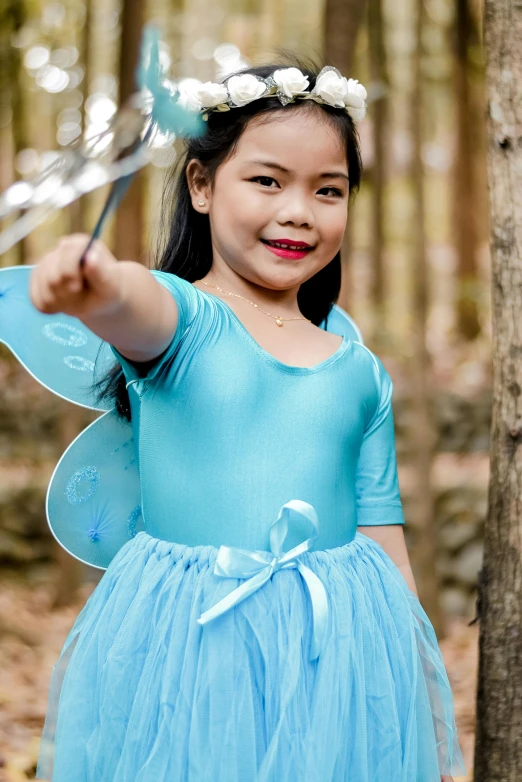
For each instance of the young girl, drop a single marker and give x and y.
(265, 623)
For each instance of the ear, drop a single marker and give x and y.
(198, 186)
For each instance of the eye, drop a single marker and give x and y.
(257, 178)
(334, 190)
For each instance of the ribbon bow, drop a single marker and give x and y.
(259, 566)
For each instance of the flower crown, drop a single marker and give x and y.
(287, 84)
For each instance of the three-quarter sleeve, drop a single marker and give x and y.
(186, 301)
(377, 485)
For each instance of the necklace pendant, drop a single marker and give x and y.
(279, 321)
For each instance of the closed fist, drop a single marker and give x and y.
(59, 284)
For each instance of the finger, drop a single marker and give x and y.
(41, 297)
(38, 281)
(73, 246)
(63, 270)
(70, 269)
(94, 270)
(34, 289)
(56, 275)
(74, 239)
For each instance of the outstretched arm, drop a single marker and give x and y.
(120, 301)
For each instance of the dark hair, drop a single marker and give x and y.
(188, 249)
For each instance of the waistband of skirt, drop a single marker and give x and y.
(206, 554)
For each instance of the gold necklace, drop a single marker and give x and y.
(277, 318)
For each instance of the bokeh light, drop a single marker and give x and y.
(52, 78)
(27, 162)
(100, 108)
(18, 194)
(36, 57)
(53, 16)
(64, 57)
(203, 48)
(67, 132)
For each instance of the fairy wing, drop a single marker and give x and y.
(93, 502)
(57, 350)
(93, 498)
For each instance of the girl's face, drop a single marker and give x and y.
(287, 180)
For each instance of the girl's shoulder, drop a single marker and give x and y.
(184, 293)
(381, 382)
(178, 286)
(367, 357)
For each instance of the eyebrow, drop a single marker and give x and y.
(279, 167)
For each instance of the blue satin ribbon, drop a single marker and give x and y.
(259, 566)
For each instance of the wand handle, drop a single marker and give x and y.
(118, 190)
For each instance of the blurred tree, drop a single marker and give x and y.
(423, 435)
(380, 84)
(13, 14)
(129, 227)
(78, 209)
(467, 196)
(342, 22)
(498, 748)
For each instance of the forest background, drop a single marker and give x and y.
(416, 278)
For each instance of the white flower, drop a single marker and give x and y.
(355, 94)
(245, 88)
(356, 114)
(211, 94)
(331, 88)
(290, 81)
(188, 94)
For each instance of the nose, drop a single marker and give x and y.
(295, 209)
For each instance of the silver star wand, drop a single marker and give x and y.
(114, 155)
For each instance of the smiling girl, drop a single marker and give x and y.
(265, 625)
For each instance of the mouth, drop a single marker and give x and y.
(288, 249)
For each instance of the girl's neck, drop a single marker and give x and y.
(283, 302)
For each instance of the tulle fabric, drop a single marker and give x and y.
(146, 694)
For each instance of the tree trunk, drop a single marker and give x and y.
(78, 209)
(466, 212)
(129, 224)
(423, 434)
(342, 22)
(498, 749)
(12, 18)
(379, 78)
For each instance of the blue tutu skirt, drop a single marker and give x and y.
(144, 693)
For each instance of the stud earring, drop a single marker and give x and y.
(201, 203)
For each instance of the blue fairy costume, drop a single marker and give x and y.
(243, 629)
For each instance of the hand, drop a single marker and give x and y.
(446, 778)
(59, 284)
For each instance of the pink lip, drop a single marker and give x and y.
(293, 255)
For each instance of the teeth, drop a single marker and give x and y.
(287, 246)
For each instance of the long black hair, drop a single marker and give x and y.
(188, 249)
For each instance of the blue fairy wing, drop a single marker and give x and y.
(339, 322)
(94, 501)
(93, 498)
(57, 350)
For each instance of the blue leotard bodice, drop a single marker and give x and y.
(226, 433)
